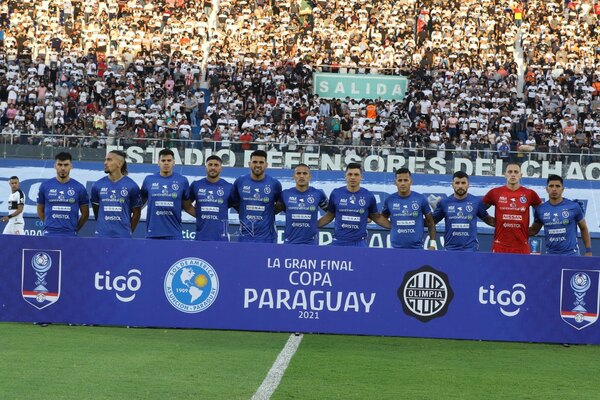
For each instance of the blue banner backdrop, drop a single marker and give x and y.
(300, 289)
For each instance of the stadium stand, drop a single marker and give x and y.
(487, 78)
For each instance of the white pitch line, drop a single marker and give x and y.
(268, 386)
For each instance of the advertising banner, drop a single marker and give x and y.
(319, 289)
(359, 86)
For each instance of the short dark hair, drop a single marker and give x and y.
(166, 152)
(63, 156)
(121, 153)
(403, 170)
(259, 153)
(353, 165)
(13, 177)
(554, 178)
(460, 175)
(512, 163)
(214, 157)
(301, 165)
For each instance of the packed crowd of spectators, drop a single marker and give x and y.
(90, 73)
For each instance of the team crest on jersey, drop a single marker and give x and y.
(579, 297)
(175, 186)
(523, 199)
(415, 206)
(362, 202)
(267, 189)
(469, 208)
(310, 200)
(124, 192)
(40, 277)
(220, 192)
(565, 213)
(71, 192)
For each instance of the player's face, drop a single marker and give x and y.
(353, 178)
(513, 174)
(14, 185)
(555, 190)
(460, 186)
(166, 164)
(63, 168)
(302, 176)
(403, 182)
(112, 163)
(258, 165)
(213, 169)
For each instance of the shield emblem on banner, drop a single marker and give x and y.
(579, 297)
(40, 277)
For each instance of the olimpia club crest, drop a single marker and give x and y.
(579, 297)
(425, 293)
(40, 277)
(191, 285)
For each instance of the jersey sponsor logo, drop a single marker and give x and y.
(191, 285)
(512, 217)
(557, 231)
(41, 277)
(250, 207)
(460, 226)
(301, 216)
(112, 208)
(508, 300)
(579, 297)
(350, 218)
(425, 293)
(164, 204)
(209, 209)
(404, 222)
(246, 189)
(60, 208)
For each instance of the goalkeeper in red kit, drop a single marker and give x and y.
(512, 204)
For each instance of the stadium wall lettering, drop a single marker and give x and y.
(266, 287)
(374, 163)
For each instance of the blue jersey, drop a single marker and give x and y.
(560, 226)
(256, 201)
(407, 219)
(61, 206)
(115, 201)
(301, 214)
(461, 221)
(351, 210)
(212, 208)
(165, 196)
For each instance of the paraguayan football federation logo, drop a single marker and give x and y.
(579, 297)
(40, 277)
(425, 293)
(191, 285)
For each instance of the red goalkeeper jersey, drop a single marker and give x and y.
(512, 218)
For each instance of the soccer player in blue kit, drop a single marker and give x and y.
(301, 204)
(408, 212)
(116, 199)
(351, 206)
(560, 218)
(460, 212)
(255, 196)
(213, 197)
(62, 202)
(166, 193)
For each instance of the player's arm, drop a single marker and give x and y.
(188, 207)
(95, 209)
(136, 213)
(279, 207)
(380, 220)
(585, 236)
(84, 210)
(491, 221)
(325, 219)
(535, 228)
(430, 222)
(40, 212)
(16, 212)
